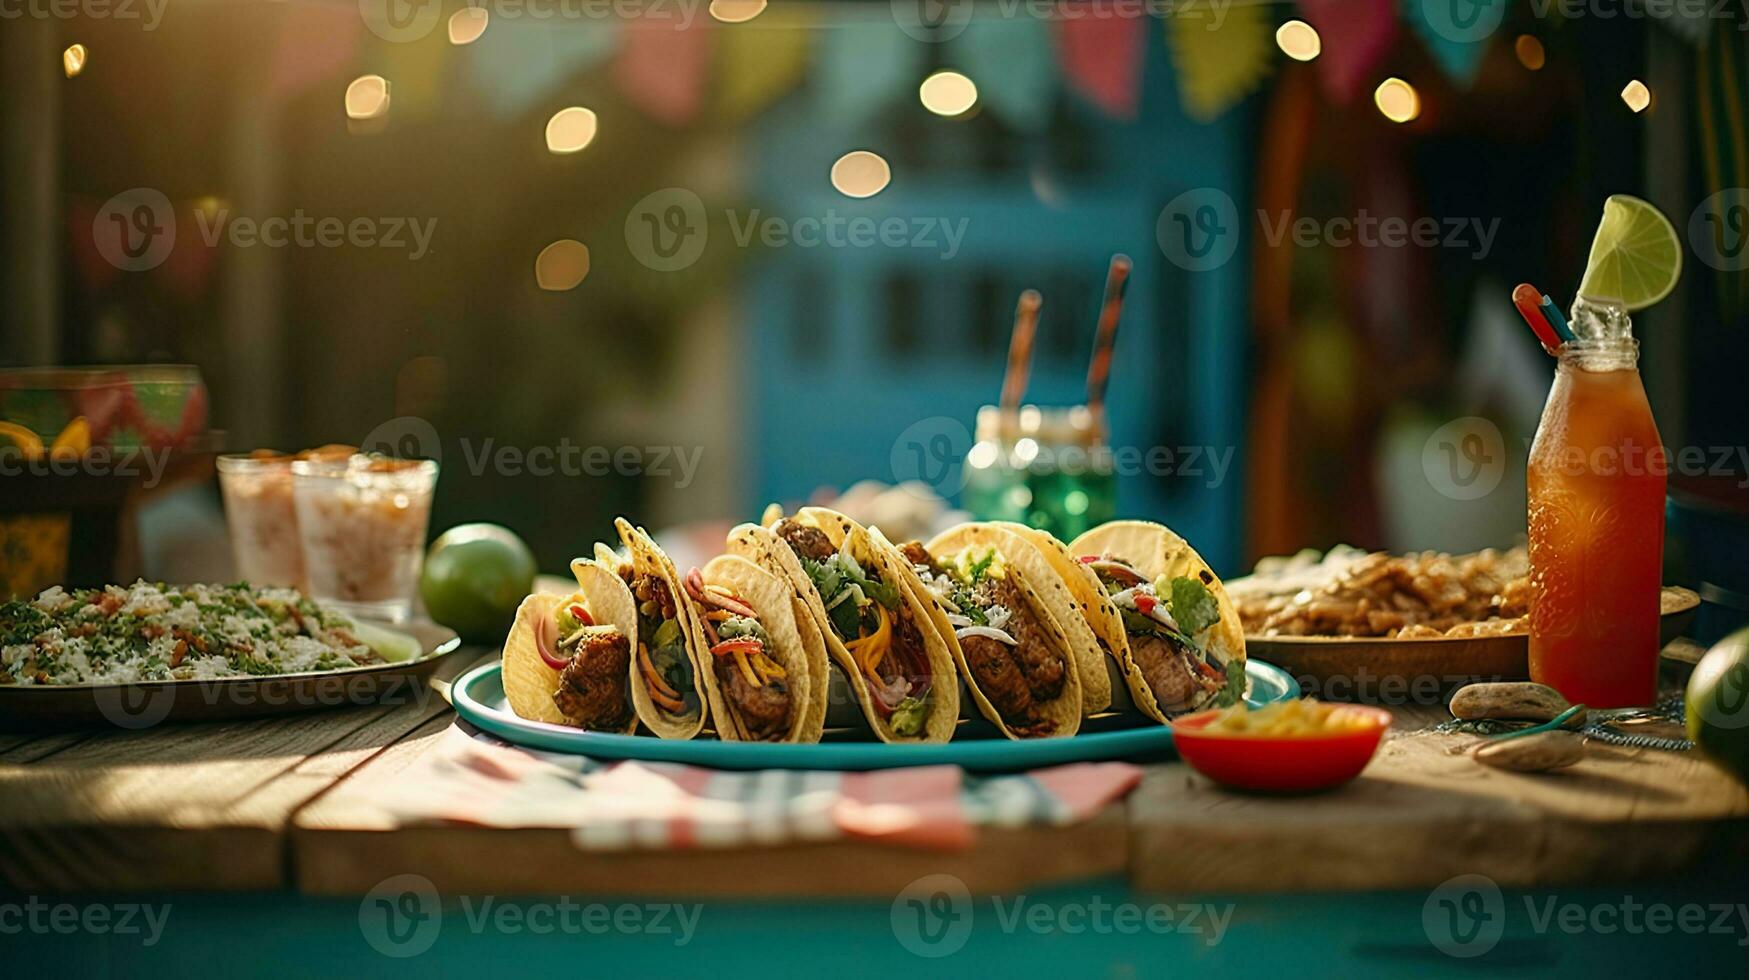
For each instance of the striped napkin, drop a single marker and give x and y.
(475, 778)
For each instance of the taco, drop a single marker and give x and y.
(668, 656)
(1146, 589)
(880, 633)
(764, 683)
(1004, 635)
(567, 659)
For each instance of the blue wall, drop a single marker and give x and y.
(836, 384)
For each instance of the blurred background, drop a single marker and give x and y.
(626, 258)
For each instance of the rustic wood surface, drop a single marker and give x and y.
(286, 803)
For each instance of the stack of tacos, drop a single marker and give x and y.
(1038, 631)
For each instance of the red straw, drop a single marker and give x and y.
(1020, 350)
(1529, 300)
(1099, 371)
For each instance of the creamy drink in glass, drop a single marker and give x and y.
(257, 488)
(362, 521)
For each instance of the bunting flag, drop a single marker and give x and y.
(316, 44)
(515, 66)
(1220, 61)
(1010, 61)
(1458, 55)
(758, 62)
(1102, 58)
(661, 68)
(1356, 34)
(863, 66)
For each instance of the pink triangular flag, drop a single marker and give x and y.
(1356, 36)
(661, 69)
(1102, 59)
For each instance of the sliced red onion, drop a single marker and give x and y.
(545, 638)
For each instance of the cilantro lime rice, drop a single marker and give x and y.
(155, 632)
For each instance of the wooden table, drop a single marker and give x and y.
(266, 834)
(286, 803)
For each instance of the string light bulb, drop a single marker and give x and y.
(1530, 52)
(561, 265)
(1299, 40)
(367, 97)
(860, 173)
(73, 59)
(948, 93)
(570, 130)
(736, 11)
(467, 24)
(1397, 100)
(1637, 96)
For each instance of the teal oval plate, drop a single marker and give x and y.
(478, 696)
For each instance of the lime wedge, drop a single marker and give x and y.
(391, 645)
(1636, 257)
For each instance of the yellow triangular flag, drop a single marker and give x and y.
(1219, 65)
(760, 61)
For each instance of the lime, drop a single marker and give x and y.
(1718, 704)
(1636, 257)
(475, 576)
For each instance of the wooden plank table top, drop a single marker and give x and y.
(286, 803)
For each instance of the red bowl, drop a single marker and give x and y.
(1273, 764)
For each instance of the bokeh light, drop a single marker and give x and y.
(948, 93)
(1397, 100)
(1298, 40)
(367, 97)
(1637, 95)
(570, 130)
(860, 173)
(1530, 52)
(467, 24)
(562, 265)
(736, 11)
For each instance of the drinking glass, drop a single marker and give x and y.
(362, 522)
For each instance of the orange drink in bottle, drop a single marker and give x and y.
(1596, 511)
